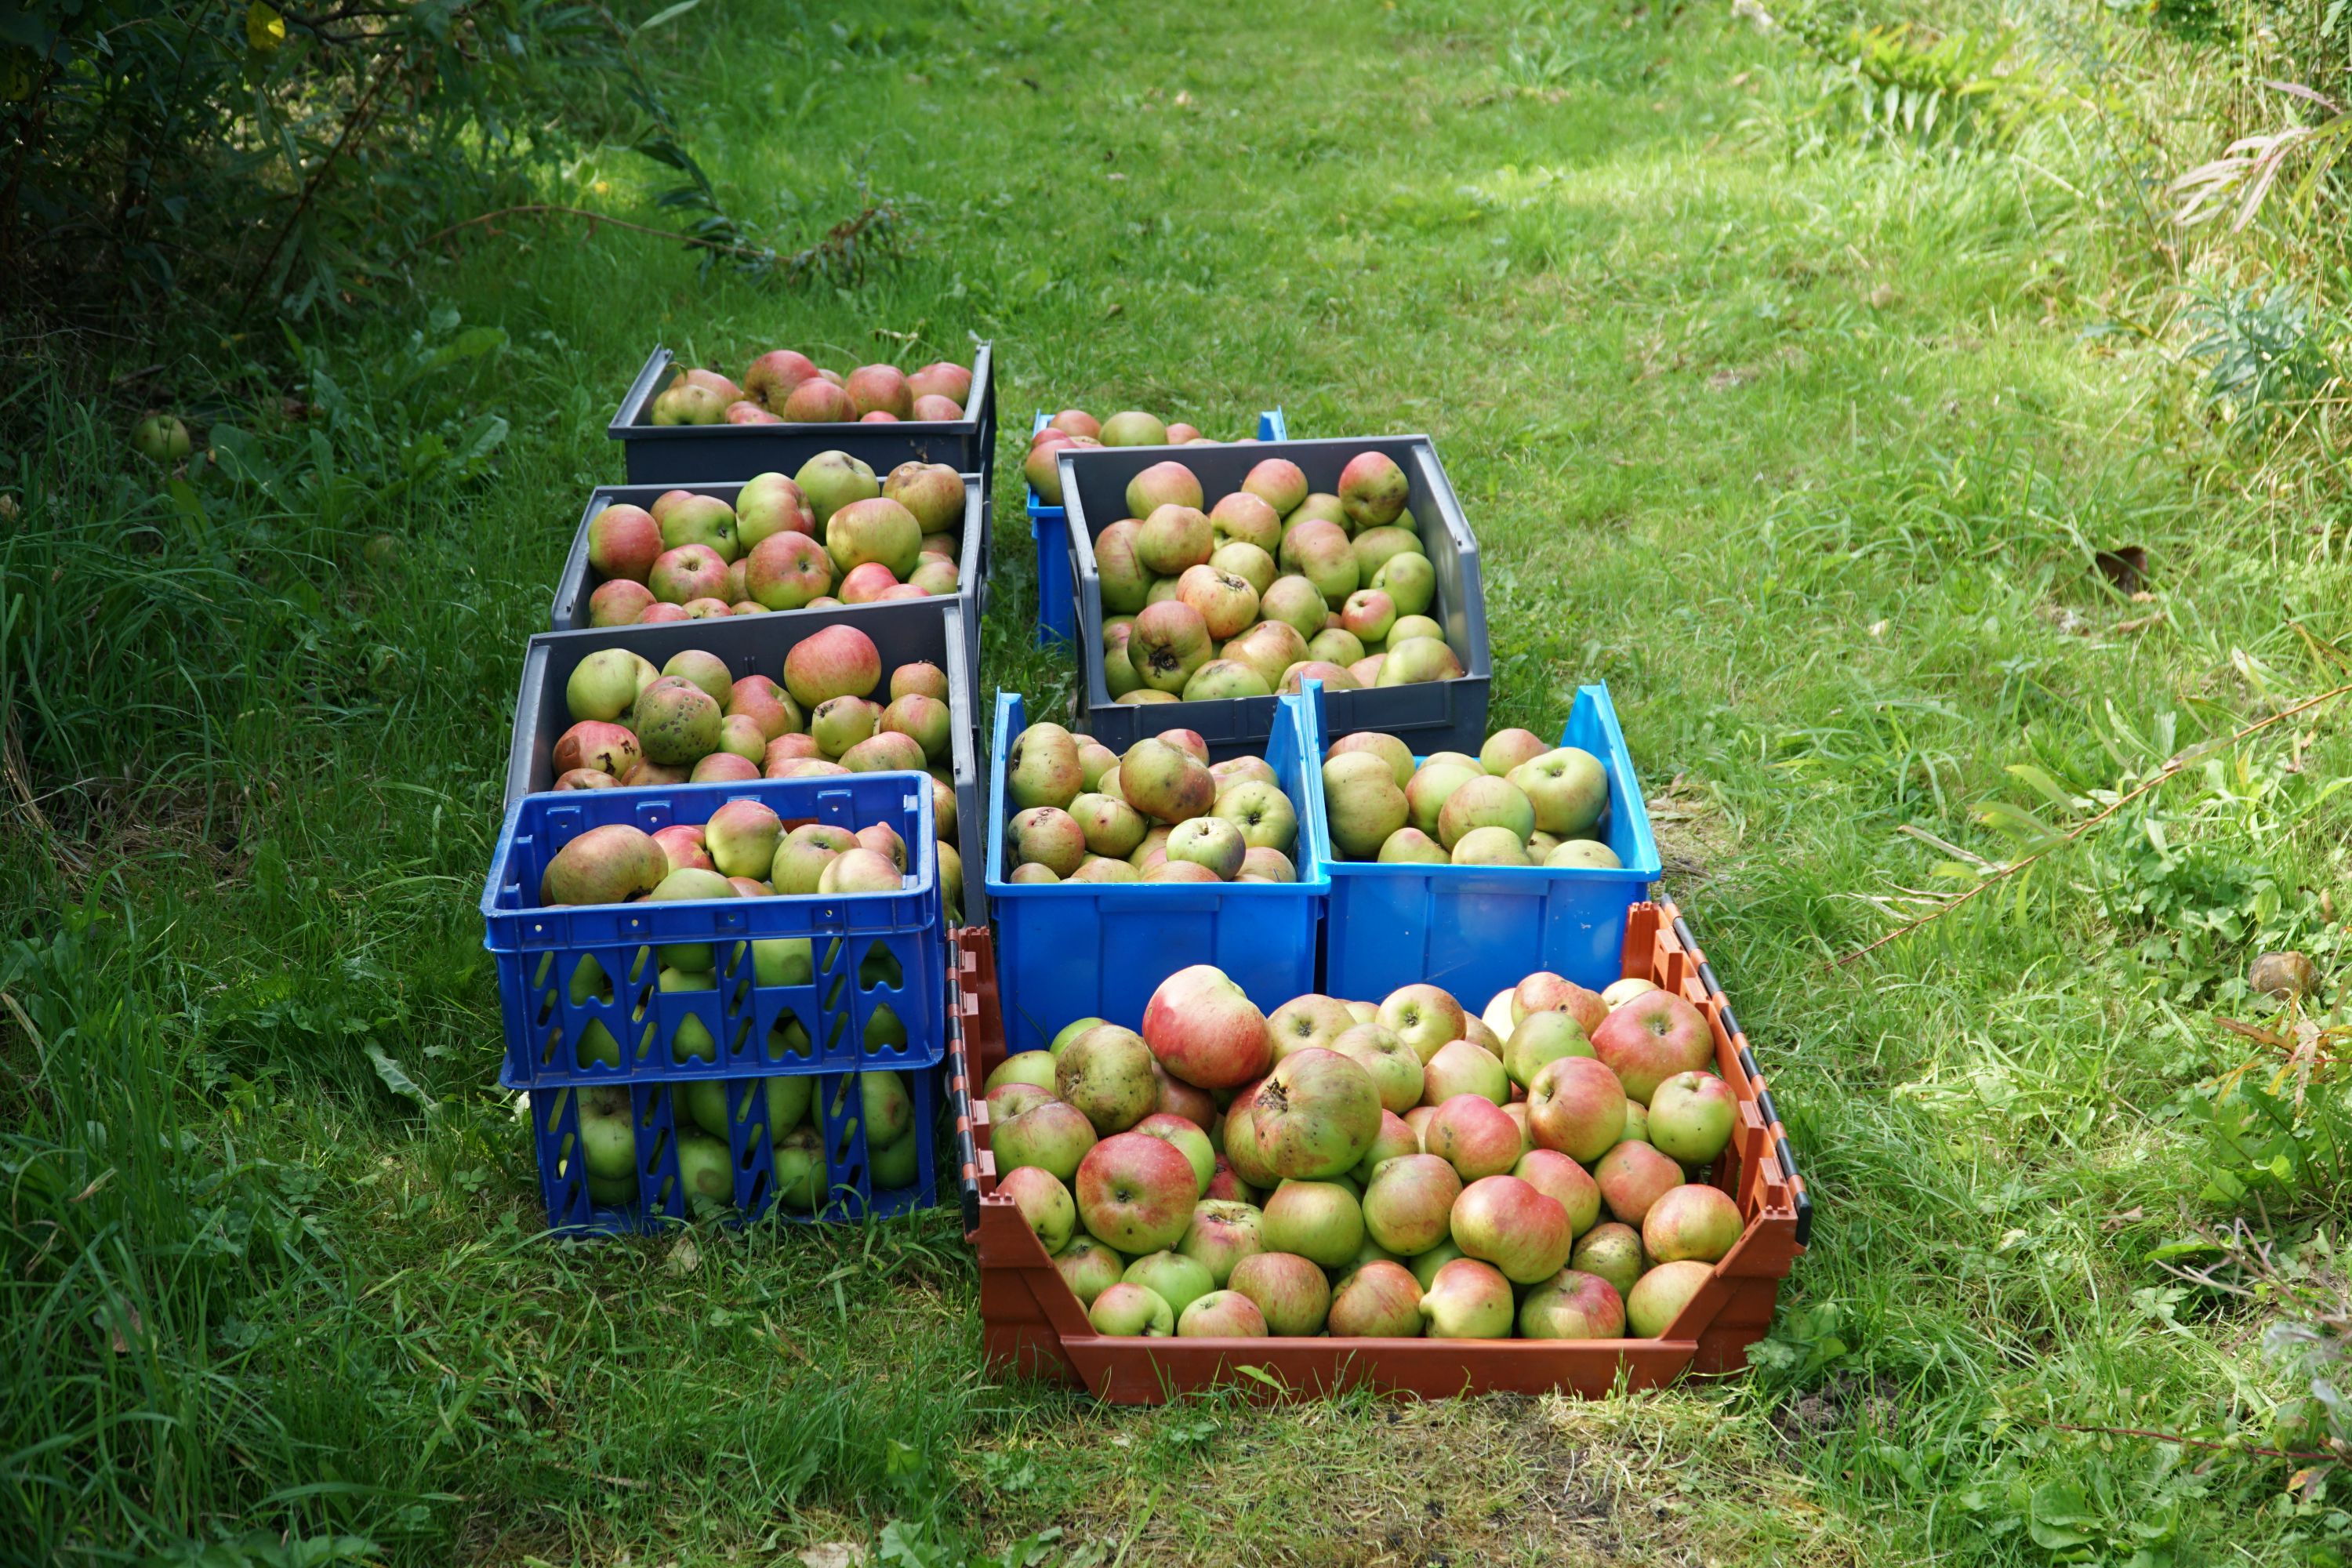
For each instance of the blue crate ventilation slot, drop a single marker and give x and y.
(850, 1187)
(579, 988)
(1475, 929)
(1057, 603)
(1066, 951)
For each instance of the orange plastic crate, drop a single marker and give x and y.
(1033, 1323)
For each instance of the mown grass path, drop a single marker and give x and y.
(1804, 455)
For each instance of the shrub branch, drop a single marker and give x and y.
(2171, 769)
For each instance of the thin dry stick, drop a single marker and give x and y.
(2171, 768)
(2196, 1442)
(546, 209)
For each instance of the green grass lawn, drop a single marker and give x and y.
(1796, 439)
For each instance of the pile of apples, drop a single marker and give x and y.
(692, 720)
(1271, 586)
(1521, 801)
(1396, 1170)
(1076, 428)
(1159, 813)
(832, 535)
(608, 1139)
(785, 387)
(744, 851)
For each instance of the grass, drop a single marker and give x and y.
(1793, 436)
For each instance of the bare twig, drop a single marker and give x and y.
(2172, 767)
(2193, 1442)
(360, 113)
(550, 209)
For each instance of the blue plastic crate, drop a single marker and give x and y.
(1477, 930)
(1057, 599)
(661, 1199)
(1075, 950)
(868, 952)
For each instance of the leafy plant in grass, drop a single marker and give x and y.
(1910, 82)
(2265, 355)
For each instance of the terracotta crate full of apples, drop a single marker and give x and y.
(1544, 1189)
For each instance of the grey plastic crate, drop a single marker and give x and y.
(683, 454)
(904, 631)
(570, 610)
(1442, 715)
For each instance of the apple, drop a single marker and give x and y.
(1461, 1068)
(1209, 841)
(1648, 1040)
(1007, 1100)
(1567, 788)
(1396, 1071)
(1174, 1277)
(1540, 1040)
(1315, 1114)
(1042, 767)
(1222, 1233)
(1506, 1221)
(1413, 661)
(1425, 1018)
(1222, 1315)
(1319, 1221)
(1467, 1299)
(1658, 1297)
(607, 865)
(1408, 1205)
(1045, 1203)
(1691, 1221)
(1289, 1291)
(1562, 1179)
(1243, 517)
(1572, 1305)
(1381, 1299)
(1087, 1266)
(1131, 1310)
(1372, 490)
(1474, 1135)
(1312, 1019)
(1690, 1118)
(1205, 1030)
(1106, 1073)
(1631, 1177)
(1135, 1192)
(1576, 1107)
(1613, 1251)
(1544, 991)
(1396, 1139)
(1052, 1137)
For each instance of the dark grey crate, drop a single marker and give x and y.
(684, 453)
(904, 631)
(570, 610)
(1445, 715)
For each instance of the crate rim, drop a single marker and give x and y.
(638, 401)
(999, 884)
(1798, 1211)
(1477, 660)
(925, 880)
(1646, 869)
(972, 555)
